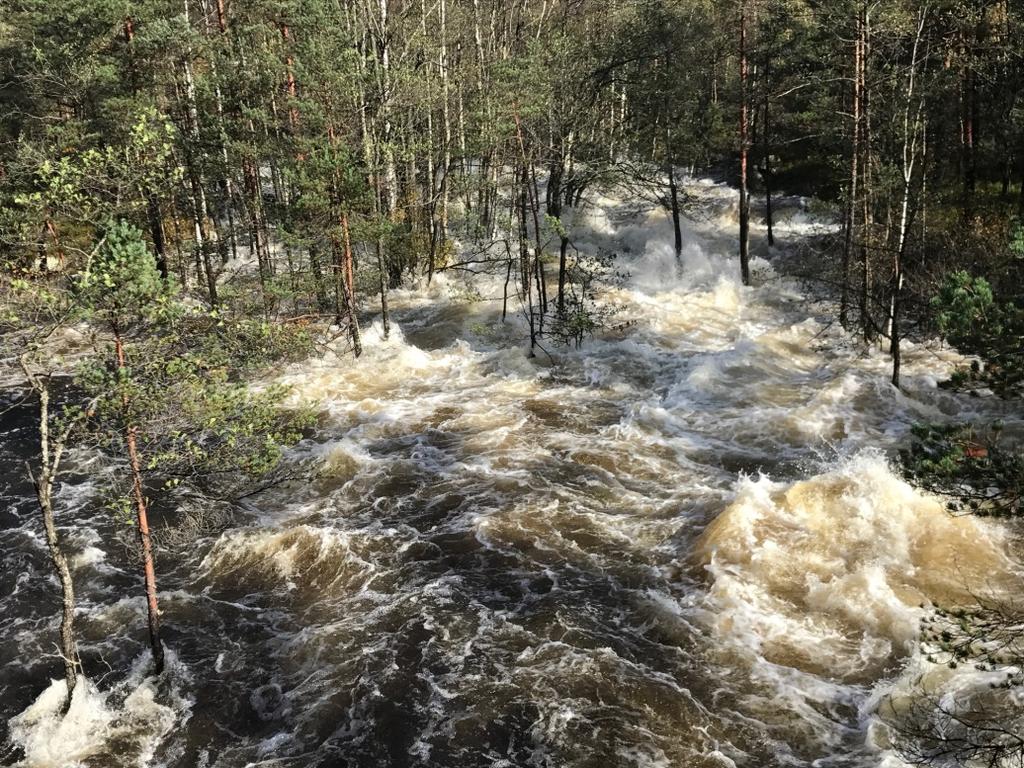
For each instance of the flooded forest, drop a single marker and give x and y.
(510, 384)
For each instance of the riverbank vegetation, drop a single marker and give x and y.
(197, 191)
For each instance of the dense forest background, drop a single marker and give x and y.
(216, 187)
(302, 137)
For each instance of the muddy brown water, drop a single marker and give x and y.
(679, 545)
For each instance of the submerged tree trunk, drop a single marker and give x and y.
(142, 517)
(385, 318)
(677, 228)
(849, 234)
(538, 263)
(912, 127)
(554, 191)
(524, 254)
(51, 449)
(563, 250)
(744, 150)
(350, 288)
(528, 195)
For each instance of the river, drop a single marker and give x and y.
(679, 545)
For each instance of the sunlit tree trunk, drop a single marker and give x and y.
(850, 229)
(51, 451)
(446, 121)
(200, 211)
(350, 288)
(141, 513)
(912, 128)
(744, 149)
(867, 204)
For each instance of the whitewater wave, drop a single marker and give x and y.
(516, 560)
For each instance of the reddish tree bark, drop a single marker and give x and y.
(142, 518)
(350, 289)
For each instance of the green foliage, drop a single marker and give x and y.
(971, 317)
(197, 425)
(978, 472)
(34, 305)
(194, 425)
(181, 392)
(103, 181)
(1017, 242)
(121, 282)
(966, 307)
(584, 315)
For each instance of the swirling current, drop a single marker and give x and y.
(679, 545)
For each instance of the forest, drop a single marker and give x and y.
(547, 383)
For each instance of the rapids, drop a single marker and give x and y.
(681, 545)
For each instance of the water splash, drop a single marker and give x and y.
(509, 562)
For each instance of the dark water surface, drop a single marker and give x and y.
(509, 563)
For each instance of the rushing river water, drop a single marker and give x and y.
(679, 546)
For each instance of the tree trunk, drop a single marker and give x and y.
(1020, 197)
(851, 202)
(867, 220)
(385, 318)
(563, 249)
(677, 228)
(387, 150)
(142, 518)
(203, 245)
(353, 317)
(508, 278)
(911, 131)
(538, 263)
(446, 149)
(156, 226)
(200, 210)
(319, 288)
(290, 85)
(226, 183)
(253, 202)
(744, 150)
(530, 193)
(554, 193)
(767, 149)
(524, 254)
(969, 92)
(50, 456)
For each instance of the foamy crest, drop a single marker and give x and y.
(297, 557)
(501, 558)
(50, 739)
(128, 721)
(830, 572)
